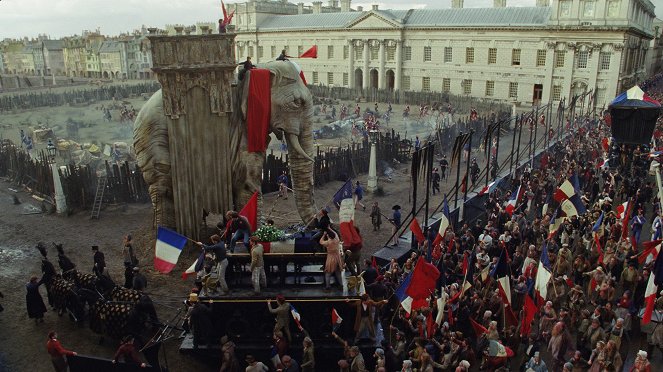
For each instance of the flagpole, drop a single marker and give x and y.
(457, 175)
(467, 172)
(429, 170)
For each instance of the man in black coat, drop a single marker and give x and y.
(99, 261)
(200, 321)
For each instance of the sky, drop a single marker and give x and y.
(58, 18)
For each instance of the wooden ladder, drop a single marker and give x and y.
(98, 197)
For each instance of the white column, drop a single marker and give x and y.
(550, 66)
(366, 74)
(399, 65)
(60, 200)
(372, 184)
(382, 78)
(351, 63)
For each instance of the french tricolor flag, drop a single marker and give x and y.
(621, 209)
(336, 320)
(564, 191)
(196, 266)
(444, 223)
(655, 277)
(488, 189)
(296, 316)
(513, 200)
(168, 248)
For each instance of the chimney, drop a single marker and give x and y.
(457, 4)
(317, 7)
(499, 3)
(374, 6)
(360, 8)
(300, 8)
(542, 3)
(345, 5)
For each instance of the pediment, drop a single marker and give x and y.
(373, 20)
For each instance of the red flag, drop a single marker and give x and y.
(478, 328)
(259, 109)
(451, 316)
(311, 53)
(529, 312)
(430, 325)
(424, 278)
(374, 263)
(416, 230)
(463, 185)
(598, 247)
(250, 211)
(625, 220)
(511, 317)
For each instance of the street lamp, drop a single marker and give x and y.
(60, 200)
(372, 184)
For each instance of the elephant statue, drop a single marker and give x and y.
(291, 121)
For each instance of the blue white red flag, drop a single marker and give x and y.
(196, 266)
(167, 250)
(296, 316)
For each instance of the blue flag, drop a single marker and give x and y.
(345, 192)
(544, 256)
(598, 223)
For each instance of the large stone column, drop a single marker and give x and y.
(366, 74)
(399, 65)
(196, 73)
(351, 63)
(60, 199)
(381, 77)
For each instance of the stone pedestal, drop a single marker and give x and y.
(196, 73)
(60, 199)
(372, 184)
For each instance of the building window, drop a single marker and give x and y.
(600, 96)
(251, 53)
(560, 56)
(330, 78)
(346, 80)
(391, 53)
(604, 61)
(428, 54)
(374, 52)
(557, 92)
(582, 59)
(273, 51)
(490, 88)
(469, 55)
(448, 54)
(467, 86)
(260, 51)
(565, 8)
(315, 77)
(242, 51)
(588, 8)
(446, 85)
(425, 84)
(330, 51)
(515, 57)
(346, 51)
(540, 58)
(513, 90)
(407, 52)
(405, 84)
(359, 50)
(492, 56)
(300, 50)
(613, 8)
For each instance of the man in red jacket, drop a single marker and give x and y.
(57, 352)
(127, 352)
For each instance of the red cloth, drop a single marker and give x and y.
(424, 278)
(529, 312)
(478, 328)
(259, 109)
(311, 53)
(416, 230)
(56, 350)
(250, 211)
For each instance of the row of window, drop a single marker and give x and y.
(559, 60)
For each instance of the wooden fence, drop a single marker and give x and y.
(339, 164)
(125, 183)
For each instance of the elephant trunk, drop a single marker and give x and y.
(301, 168)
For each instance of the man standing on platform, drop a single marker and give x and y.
(242, 229)
(220, 258)
(258, 277)
(282, 312)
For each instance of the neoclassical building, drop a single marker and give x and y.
(523, 55)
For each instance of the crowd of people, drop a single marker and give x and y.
(581, 316)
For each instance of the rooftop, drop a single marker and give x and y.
(463, 17)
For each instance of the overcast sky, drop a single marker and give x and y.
(59, 18)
